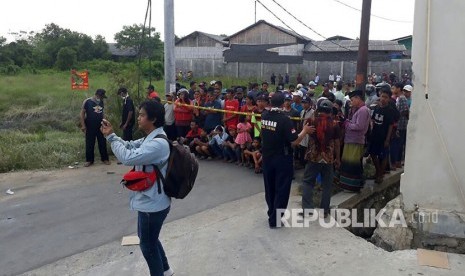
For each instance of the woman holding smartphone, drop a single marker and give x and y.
(152, 205)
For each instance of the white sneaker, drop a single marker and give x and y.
(169, 272)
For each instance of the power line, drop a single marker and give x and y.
(377, 16)
(316, 46)
(311, 29)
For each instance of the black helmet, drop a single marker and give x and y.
(324, 105)
(369, 89)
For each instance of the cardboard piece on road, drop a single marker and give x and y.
(130, 240)
(432, 258)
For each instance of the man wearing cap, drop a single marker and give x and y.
(91, 121)
(297, 100)
(127, 117)
(306, 114)
(151, 93)
(170, 127)
(408, 94)
(278, 137)
(356, 127)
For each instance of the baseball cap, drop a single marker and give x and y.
(355, 93)
(170, 94)
(287, 97)
(262, 97)
(298, 93)
(101, 92)
(299, 86)
(306, 99)
(312, 83)
(408, 88)
(183, 90)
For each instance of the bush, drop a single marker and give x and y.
(10, 69)
(66, 58)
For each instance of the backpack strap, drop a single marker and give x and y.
(168, 162)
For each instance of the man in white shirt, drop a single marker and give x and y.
(170, 128)
(338, 77)
(331, 77)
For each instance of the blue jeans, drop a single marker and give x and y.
(229, 153)
(311, 172)
(217, 149)
(148, 230)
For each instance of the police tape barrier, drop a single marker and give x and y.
(224, 111)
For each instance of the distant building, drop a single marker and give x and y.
(263, 48)
(121, 53)
(407, 42)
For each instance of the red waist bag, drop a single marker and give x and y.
(140, 181)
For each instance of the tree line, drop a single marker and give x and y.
(62, 49)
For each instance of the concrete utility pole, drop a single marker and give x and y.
(362, 60)
(170, 62)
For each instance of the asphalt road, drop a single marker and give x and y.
(57, 214)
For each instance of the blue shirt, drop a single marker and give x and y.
(297, 107)
(215, 118)
(141, 152)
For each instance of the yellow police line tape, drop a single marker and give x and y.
(224, 111)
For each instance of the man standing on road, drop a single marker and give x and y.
(91, 120)
(127, 119)
(279, 136)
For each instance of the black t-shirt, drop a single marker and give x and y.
(293, 113)
(128, 106)
(382, 117)
(94, 112)
(278, 132)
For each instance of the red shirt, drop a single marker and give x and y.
(196, 134)
(152, 95)
(231, 105)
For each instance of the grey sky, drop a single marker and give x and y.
(107, 17)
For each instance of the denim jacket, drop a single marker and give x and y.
(141, 152)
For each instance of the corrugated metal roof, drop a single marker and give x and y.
(352, 45)
(294, 34)
(218, 38)
(124, 52)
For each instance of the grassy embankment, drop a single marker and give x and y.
(39, 126)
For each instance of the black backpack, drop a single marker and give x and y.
(181, 172)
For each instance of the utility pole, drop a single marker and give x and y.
(255, 11)
(170, 61)
(362, 61)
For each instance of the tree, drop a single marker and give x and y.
(100, 49)
(149, 44)
(66, 58)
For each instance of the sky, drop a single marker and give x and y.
(107, 17)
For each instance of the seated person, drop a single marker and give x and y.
(195, 132)
(254, 152)
(218, 137)
(229, 146)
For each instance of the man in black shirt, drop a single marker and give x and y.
(91, 121)
(383, 120)
(278, 137)
(127, 118)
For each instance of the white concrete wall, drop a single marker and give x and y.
(435, 160)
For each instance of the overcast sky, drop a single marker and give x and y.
(107, 17)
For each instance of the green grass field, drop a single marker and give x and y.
(39, 128)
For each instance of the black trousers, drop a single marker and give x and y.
(277, 175)
(170, 131)
(91, 135)
(127, 133)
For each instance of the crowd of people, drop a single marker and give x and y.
(219, 123)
